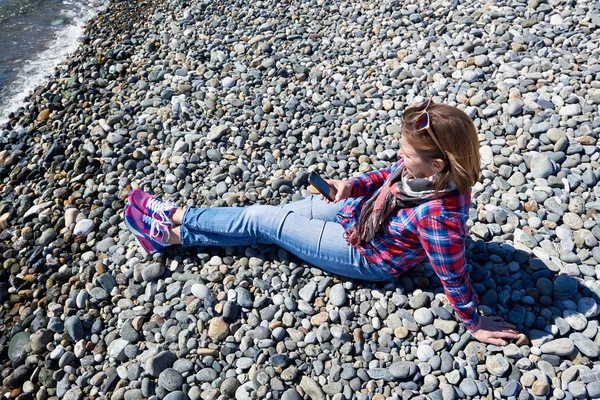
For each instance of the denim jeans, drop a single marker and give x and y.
(307, 228)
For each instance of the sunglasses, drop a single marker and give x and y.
(422, 123)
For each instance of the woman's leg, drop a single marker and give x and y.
(314, 207)
(315, 241)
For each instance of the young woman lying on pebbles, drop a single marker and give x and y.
(379, 225)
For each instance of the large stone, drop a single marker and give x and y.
(564, 287)
(586, 346)
(74, 328)
(312, 388)
(16, 347)
(158, 363)
(116, 349)
(337, 295)
(170, 379)
(570, 110)
(152, 271)
(177, 395)
(559, 347)
(83, 227)
(216, 131)
(18, 376)
(403, 369)
(40, 340)
(218, 329)
(308, 292)
(541, 166)
(74, 393)
(229, 386)
(381, 373)
(497, 365)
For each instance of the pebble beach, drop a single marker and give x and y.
(234, 103)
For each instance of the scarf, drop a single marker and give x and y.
(401, 191)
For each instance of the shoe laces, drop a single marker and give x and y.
(159, 207)
(157, 229)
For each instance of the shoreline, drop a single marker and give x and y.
(51, 49)
(230, 104)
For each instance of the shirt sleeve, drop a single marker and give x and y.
(369, 182)
(444, 242)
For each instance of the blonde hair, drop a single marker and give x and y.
(458, 138)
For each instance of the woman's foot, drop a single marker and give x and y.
(152, 206)
(151, 233)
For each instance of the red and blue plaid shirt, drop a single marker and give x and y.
(435, 229)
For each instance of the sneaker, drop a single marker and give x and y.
(152, 206)
(149, 232)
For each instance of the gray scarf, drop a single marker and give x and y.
(401, 191)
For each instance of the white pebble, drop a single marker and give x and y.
(57, 352)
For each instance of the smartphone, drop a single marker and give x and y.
(322, 186)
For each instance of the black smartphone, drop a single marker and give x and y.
(322, 186)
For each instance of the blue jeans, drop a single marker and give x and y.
(307, 228)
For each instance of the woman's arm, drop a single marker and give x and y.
(369, 182)
(443, 240)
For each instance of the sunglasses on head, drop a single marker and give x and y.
(422, 123)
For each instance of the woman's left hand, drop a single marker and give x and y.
(494, 330)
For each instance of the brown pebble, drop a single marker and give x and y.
(549, 224)
(275, 324)
(217, 328)
(228, 280)
(207, 352)
(100, 269)
(27, 232)
(319, 319)
(539, 388)
(401, 332)
(122, 383)
(137, 322)
(586, 140)
(522, 340)
(531, 206)
(589, 213)
(158, 319)
(529, 230)
(43, 115)
(358, 335)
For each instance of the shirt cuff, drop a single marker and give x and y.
(474, 323)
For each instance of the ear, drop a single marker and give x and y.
(438, 165)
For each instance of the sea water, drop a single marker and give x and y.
(35, 37)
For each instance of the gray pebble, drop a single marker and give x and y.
(170, 379)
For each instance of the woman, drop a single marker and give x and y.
(379, 225)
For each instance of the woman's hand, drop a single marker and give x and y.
(494, 330)
(343, 189)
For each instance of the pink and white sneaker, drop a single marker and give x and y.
(152, 206)
(151, 233)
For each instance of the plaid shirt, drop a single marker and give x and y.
(435, 229)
